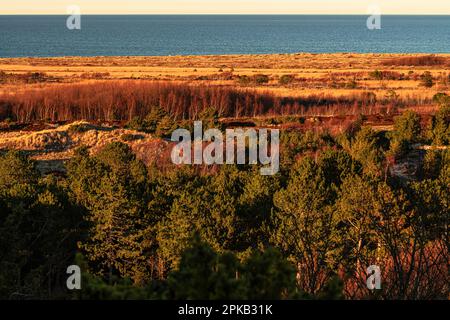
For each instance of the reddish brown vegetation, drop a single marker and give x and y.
(30, 77)
(429, 60)
(412, 272)
(124, 100)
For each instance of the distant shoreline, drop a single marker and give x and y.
(223, 56)
(228, 14)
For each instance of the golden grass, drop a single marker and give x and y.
(59, 142)
(315, 74)
(315, 70)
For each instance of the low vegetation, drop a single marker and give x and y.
(374, 192)
(429, 60)
(229, 233)
(126, 100)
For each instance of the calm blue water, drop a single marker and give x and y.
(196, 34)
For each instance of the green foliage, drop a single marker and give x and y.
(165, 127)
(377, 221)
(407, 127)
(157, 121)
(228, 210)
(135, 124)
(244, 80)
(112, 186)
(257, 79)
(369, 97)
(426, 80)
(407, 130)
(398, 148)
(377, 75)
(440, 126)
(365, 149)
(268, 276)
(333, 290)
(261, 79)
(79, 128)
(441, 99)
(293, 144)
(303, 223)
(210, 119)
(356, 206)
(351, 84)
(433, 162)
(431, 200)
(128, 137)
(153, 119)
(392, 97)
(38, 229)
(203, 274)
(337, 165)
(207, 233)
(96, 288)
(286, 79)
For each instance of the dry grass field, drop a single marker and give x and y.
(326, 90)
(315, 73)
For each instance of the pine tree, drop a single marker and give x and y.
(304, 226)
(153, 119)
(112, 186)
(440, 126)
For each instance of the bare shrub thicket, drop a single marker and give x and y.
(125, 100)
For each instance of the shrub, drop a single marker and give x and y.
(398, 149)
(165, 127)
(352, 84)
(210, 119)
(286, 79)
(432, 164)
(261, 78)
(368, 98)
(153, 119)
(407, 127)
(124, 100)
(364, 148)
(95, 75)
(135, 124)
(29, 77)
(440, 126)
(79, 128)
(128, 137)
(244, 80)
(429, 60)
(391, 96)
(377, 75)
(426, 80)
(441, 99)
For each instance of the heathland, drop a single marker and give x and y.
(303, 91)
(86, 177)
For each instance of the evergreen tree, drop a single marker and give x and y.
(304, 226)
(440, 126)
(112, 186)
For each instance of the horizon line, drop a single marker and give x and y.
(224, 14)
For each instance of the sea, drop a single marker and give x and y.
(162, 35)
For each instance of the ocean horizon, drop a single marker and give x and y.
(165, 35)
